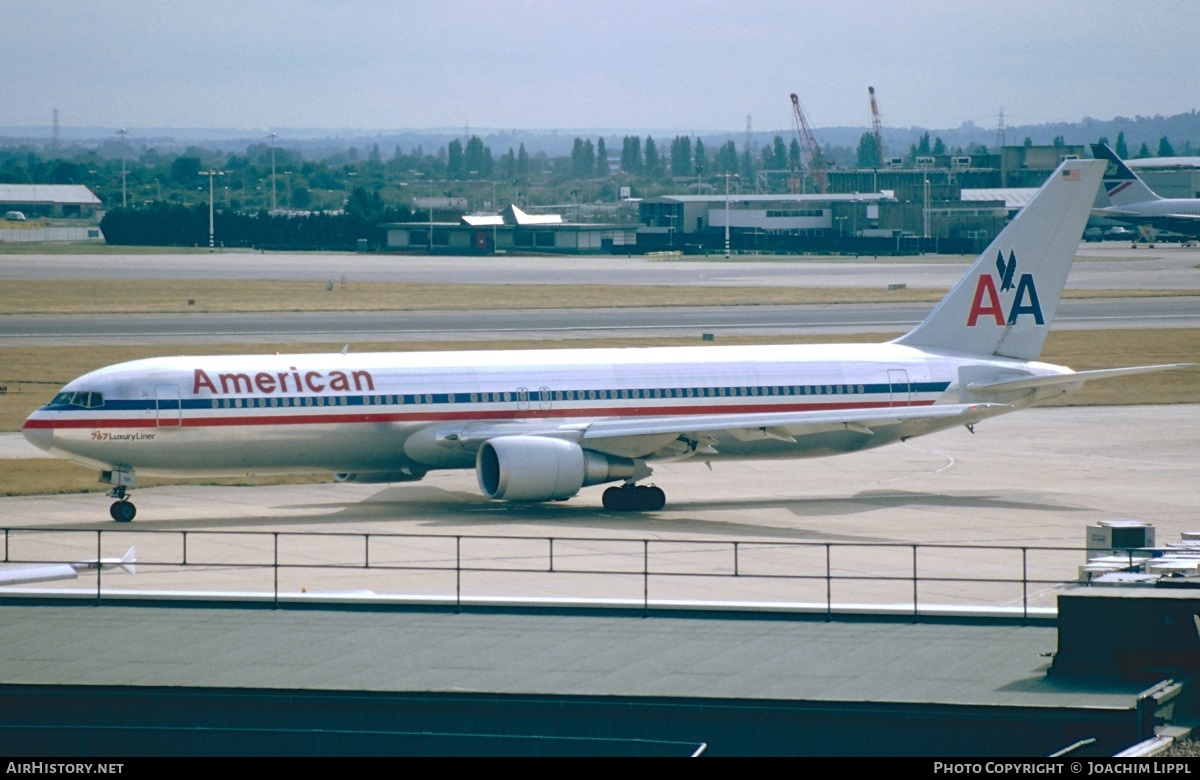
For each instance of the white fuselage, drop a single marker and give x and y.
(381, 413)
(1163, 207)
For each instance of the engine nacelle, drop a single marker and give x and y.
(375, 477)
(536, 468)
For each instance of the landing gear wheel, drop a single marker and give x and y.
(634, 498)
(122, 511)
(655, 498)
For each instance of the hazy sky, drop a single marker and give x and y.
(591, 64)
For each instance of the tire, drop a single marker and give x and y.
(655, 499)
(122, 511)
(634, 499)
(617, 499)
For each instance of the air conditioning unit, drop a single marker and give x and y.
(1112, 535)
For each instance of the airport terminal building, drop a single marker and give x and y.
(512, 230)
(948, 203)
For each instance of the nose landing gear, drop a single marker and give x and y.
(122, 510)
(121, 479)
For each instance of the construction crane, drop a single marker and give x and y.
(876, 126)
(808, 143)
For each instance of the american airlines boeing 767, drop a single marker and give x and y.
(540, 425)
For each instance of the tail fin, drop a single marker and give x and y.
(1122, 185)
(1004, 304)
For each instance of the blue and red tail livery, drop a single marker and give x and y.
(987, 303)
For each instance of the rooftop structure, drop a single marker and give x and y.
(50, 200)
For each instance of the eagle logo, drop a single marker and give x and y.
(1006, 270)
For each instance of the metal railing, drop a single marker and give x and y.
(905, 578)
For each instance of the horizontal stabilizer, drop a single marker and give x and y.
(127, 562)
(1076, 377)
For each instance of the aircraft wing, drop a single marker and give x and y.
(641, 436)
(789, 422)
(24, 575)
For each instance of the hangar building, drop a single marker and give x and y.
(49, 200)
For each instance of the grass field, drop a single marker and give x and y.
(179, 296)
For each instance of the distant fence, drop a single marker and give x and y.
(458, 570)
(51, 234)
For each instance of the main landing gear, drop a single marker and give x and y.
(634, 498)
(122, 510)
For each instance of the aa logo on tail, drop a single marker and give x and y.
(987, 301)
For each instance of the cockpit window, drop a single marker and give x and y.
(86, 399)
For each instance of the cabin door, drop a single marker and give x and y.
(900, 391)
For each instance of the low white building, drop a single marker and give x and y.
(49, 200)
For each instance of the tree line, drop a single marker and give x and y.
(257, 190)
(171, 224)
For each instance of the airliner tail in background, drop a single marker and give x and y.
(1133, 203)
(1122, 185)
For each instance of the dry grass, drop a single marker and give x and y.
(50, 476)
(206, 295)
(176, 296)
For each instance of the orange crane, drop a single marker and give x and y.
(812, 153)
(876, 126)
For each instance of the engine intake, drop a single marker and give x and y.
(536, 468)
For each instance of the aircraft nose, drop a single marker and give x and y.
(40, 436)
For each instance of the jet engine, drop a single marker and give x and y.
(535, 468)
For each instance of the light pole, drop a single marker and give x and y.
(210, 173)
(123, 132)
(273, 136)
(727, 177)
(925, 211)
